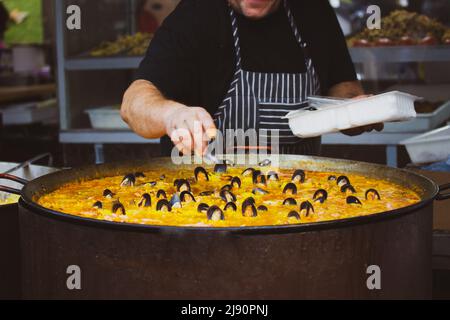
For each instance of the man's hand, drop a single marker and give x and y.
(360, 130)
(190, 128)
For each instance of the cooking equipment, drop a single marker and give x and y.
(9, 226)
(320, 260)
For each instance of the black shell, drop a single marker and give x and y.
(293, 214)
(186, 196)
(163, 205)
(162, 177)
(290, 202)
(249, 200)
(227, 187)
(230, 205)
(332, 178)
(98, 205)
(342, 180)
(139, 174)
(227, 196)
(320, 195)
(307, 206)
(146, 200)
(348, 187)
(206, 193)
(220, 168)
(183, 185)
(236, 182)
(247, 172)
(258, 177)
(265, 163)
(272, 176)
(262, 208)
(117, 206)
(108, 193)
(128, 181)
(214, 213)
(298, 176)
(374, 193)
(161, 194)
(291, 188)
(202, 207)
(248, 208)
(353, 200)
(259, 191)
(201, 172)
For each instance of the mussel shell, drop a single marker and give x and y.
(235, 181)
(186, 196)
(290, 202)
(320, 195)
(293, 214)
(108, 193)
(183, 185)
(227, 196)
(262, 208)
(291, 188)
(206, 193)
(226, 187)
(353, 200)
(139, 174)
(249, 200)
(202, 207)
(97, 205)
(375, 194)
(249, 209)
(150, 183)
(230, 205)
(258, 177)
(200, 171)
(162, 177)
(247, 172)
(259, 191)
(265, 163)
(117, 206)
(220, 168)
(214, 213)
(146, 200)
(161, 194)
(298, 176)
(272, 176)
(348, 187)
(128, 181)
(342, 180)
(332, 178)
(163, 205)
(307, 206)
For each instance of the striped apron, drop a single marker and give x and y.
(259, 101)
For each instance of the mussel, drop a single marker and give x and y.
(332, 178)
(201, 174)
(258, 177)
(230, 205)
(272, 176)
(262, 208)
(214, 213)
(307, 207)
(248, 208)
(220, 168)
(186, 196)
(372, 194)
(320, 195)
(290, 188)
(353, 200)
(150, 184)
(128, 181)
(206, 193)
(108, 193)
(236, 182)
(146, 200)
(227, 196)
(342, 181)
(290, 202)
(348, 188)
(162, 177)
(247, 172)
(118, 207)
(226, 187)
(202, 207)
(175, 201)
(139, 174)
(298, 176)
(259, 191)
(161, 194)
(163, 205)
(183, 185)
(293, 214)
(265, 163)
(97, 205)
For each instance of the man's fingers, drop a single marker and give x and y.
(196, 128)
(208, 123)
(181, 137)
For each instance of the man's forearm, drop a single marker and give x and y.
(349, 89)
(145, 109)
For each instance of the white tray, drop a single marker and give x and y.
(106, 118)
(386, 107)
(424, 121)
(432, 146)
(33, 112)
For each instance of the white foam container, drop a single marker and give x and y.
(429, 147)
(106, 118)
(347, 114)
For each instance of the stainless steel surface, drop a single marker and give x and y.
(29, 173)
(400, 54)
